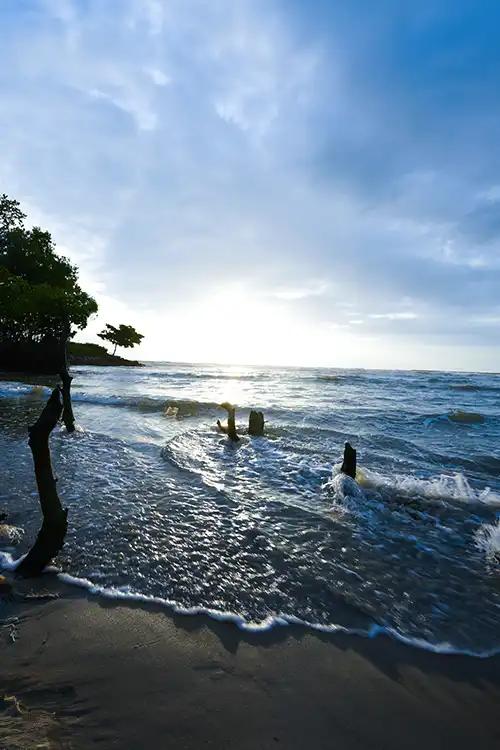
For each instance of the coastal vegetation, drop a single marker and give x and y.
(41, 302)
(124, 336)
(94, 354)
(42, 306)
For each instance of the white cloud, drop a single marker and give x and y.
(315, 289)
(405, 315)
(181, 149)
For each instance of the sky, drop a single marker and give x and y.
(275, 182)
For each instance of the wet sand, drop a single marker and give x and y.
(88, 672)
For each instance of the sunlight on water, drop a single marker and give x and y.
(162, 505)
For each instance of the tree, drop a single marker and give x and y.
(125, 336)
(41, 302)
(40, 298)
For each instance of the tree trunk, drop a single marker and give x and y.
(256, 423)
(114, 350)
(50, 538)
(349, 463)
(67, 416)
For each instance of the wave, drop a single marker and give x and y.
(456, 416)
(488, 539)
(10, 534)
(9, 563)
(472, 387)
(11, 389)
(168, 406)
(454, 488)
(125, 594)
(209, 376)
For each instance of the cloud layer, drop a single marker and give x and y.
(332, 169)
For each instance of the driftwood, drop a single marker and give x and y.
(349, 463)
(50, 538)
(67, 415)
(256, 423)
(230, 430)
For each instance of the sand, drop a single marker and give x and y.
(84, 672)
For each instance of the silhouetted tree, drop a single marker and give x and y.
(125, 336)
(41, 302)
(40, 299)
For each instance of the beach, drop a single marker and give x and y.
(214, 595)
(90, 672)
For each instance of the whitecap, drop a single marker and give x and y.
(488, 539)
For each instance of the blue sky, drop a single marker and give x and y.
(267, 182)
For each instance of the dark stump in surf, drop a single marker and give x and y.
(256, 423)
(67, 415)
(349, 462)
(230, 430)
(51, 536)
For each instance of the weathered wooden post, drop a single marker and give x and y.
(51, 536)
(349, 462)
(256, 423)
(67, 415)
(230, 430)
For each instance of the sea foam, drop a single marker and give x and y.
(488, 539)
(442, 487)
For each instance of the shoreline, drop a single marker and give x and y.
(108, 361)
(74, 586)
(89, 669)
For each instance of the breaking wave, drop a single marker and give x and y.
(167, 510)
(9, 389)
(445, 488)
(169, 407)
(10, 535)
(488, 539)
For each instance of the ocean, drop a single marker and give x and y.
(265, 532)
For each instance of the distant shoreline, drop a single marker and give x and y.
(97, 356)
(103, 361)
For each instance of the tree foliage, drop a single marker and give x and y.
(40, 297)
(125, 336)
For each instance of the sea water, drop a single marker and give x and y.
(265, 532)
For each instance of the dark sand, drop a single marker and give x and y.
(90, 673)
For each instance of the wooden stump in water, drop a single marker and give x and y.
(349, 462)
(230, 430)
(51, 536)
(67, 415)
(256, 423)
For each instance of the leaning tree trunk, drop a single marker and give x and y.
(67, 415)
(50, 538)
